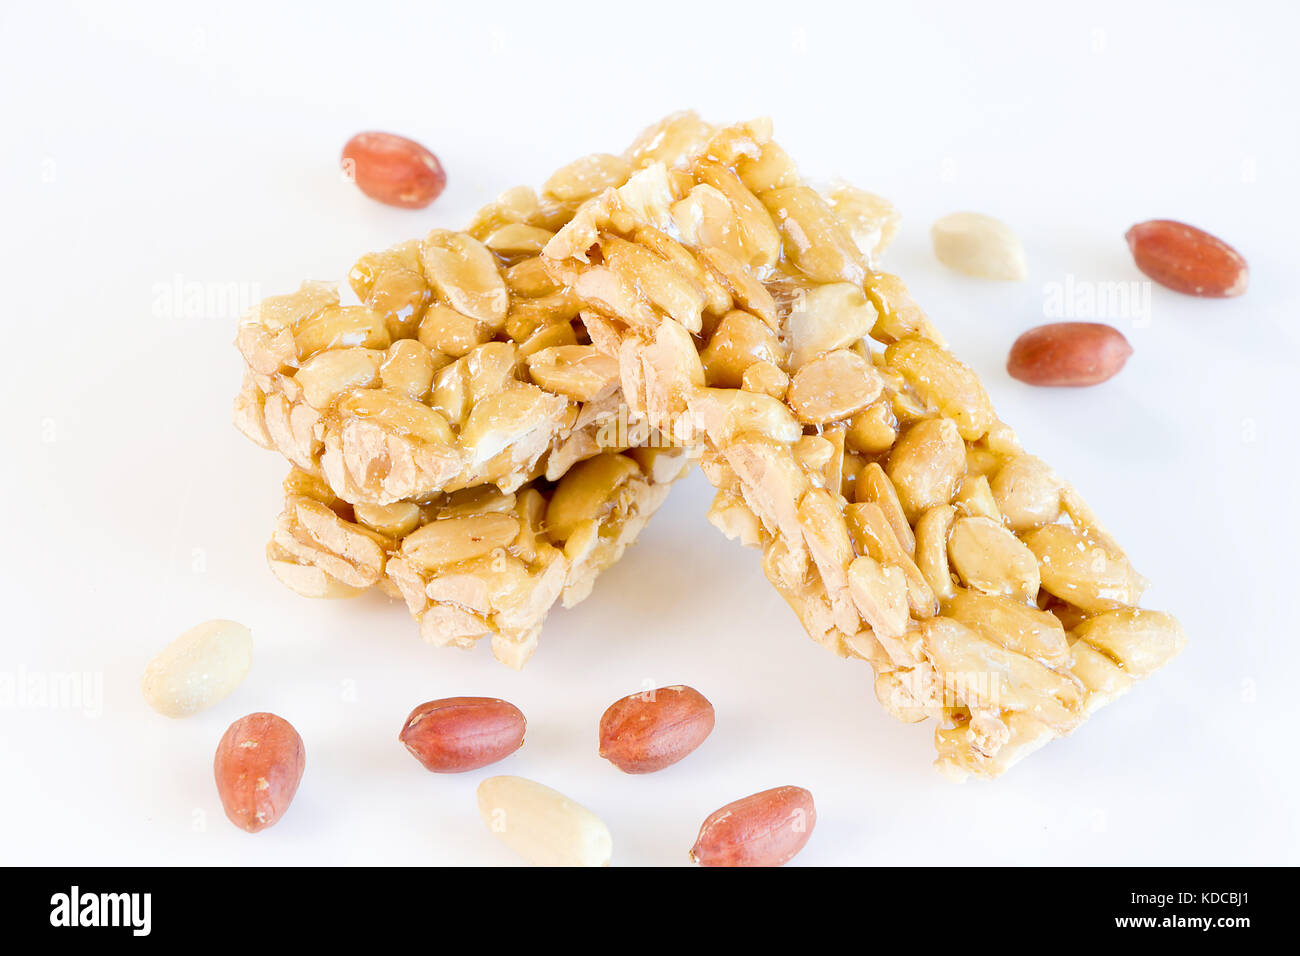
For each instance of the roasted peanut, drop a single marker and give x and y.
(456, 734)
(654, 729)
(258, 766)
(1068, 354)
(1187, 259)
(393, 169)
(765, 829)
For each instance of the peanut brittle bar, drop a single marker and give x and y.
(455, 438)
(478, 563)
(897, 515)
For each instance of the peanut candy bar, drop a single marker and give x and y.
(479, 562)
(458, 401)
(897, 515)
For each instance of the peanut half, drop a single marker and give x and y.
(978, 245)
(456, 734)
(199, 668)
(258, 767)
(764, 829)
(543, 826)
(646, 732)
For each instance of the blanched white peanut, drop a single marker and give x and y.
(880, 594)
(542, 825)
(940, 380)
(408, 369)
(1027, 493)
(739, 341)
(991, 559)
(927, 465)
(932, 530)
(828, 317)
(978, 245)
(873, 430)
(199, 668)
(335, 371)
(975, 498)
(587, 177)
(399, 414)
(1016, 626)
(451, 540)
(836, 385)
(1081, 571)
(465, 275)
(1140, 641)
(874, 485)
(586, 492)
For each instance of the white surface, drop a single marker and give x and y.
(157, 146)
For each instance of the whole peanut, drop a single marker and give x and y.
(764, 829)
(646, 732)
(393, 170)
(1068, 354)
(463, 733)
(1187, 259)
(258, 766)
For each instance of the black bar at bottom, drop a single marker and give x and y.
(617, 909)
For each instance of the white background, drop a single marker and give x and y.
(149, 147)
